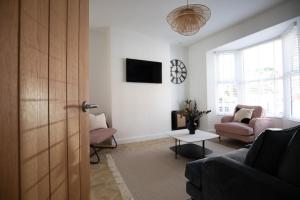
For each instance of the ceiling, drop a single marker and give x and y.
(258, 37)
(149, 16)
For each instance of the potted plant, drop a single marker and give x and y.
(192, 114)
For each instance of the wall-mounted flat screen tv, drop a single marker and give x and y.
(143, 71)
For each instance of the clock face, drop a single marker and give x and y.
(178, 71)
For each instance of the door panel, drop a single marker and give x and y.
(57, 99)
(9, 134)
(34, 153)
(44, 151)
(73, 104)
(83, 96)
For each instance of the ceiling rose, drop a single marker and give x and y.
(188, 19)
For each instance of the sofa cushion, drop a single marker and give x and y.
(289, 169)
(238, 155)
(235, 128)
(267, 150)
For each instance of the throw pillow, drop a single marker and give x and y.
(290, 165)
(97, 121)
(243, 115)
(268, 149)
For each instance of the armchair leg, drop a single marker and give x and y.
(116, 144)
(96, 148)
(219, 139)
(95, 153)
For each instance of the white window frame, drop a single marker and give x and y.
(240, 81)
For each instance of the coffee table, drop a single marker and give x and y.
(190, 149)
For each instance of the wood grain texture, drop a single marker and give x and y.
(57, 99)
(73, 105)
(44, 152)
(34, 99)
(9, 152)
(83, 96)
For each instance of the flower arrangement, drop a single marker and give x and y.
(192, 114)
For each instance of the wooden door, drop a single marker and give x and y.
(83, 96)
(44, 134)
(9, 132)
(34, 99)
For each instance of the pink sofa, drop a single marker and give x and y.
(241, 131)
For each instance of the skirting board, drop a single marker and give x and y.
(148, 137)
(142, 138)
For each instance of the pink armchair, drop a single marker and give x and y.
(241, 131)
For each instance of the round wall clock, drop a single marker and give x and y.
(178, 71)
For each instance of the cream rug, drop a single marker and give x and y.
(151, 172)
(125, 193)
(106, 181)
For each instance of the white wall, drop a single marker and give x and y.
(139, 111)
(100, 72)
(201, 74)
(179, 91)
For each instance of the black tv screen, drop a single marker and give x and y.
(143, 71)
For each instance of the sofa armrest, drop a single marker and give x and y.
(227, 118)
(260, 124)
(193, 172)
(224, 178)
(193, 169)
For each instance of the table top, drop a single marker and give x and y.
(183, 135)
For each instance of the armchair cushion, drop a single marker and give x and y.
(243, 115)
(99, 135)
(227, 118)
(234, 128)
(97, 121)
(257, 112)
(266, 152)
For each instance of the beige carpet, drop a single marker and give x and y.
(151, 172)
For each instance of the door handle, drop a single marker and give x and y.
(86, 106)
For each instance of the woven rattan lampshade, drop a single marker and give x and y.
(187, 20)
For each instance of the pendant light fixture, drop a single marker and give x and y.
(188, 19)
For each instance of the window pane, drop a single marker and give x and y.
(291, 58)
(268, 94)
(226, 71)
(227, 98)
(295, 91)
(263, 61)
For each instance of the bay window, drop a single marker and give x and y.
(266, 74)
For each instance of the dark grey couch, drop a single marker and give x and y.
(270, 169)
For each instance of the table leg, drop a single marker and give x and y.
(203, 148)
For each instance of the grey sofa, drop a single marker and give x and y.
(268, 170)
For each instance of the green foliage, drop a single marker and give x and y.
(191, 111)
